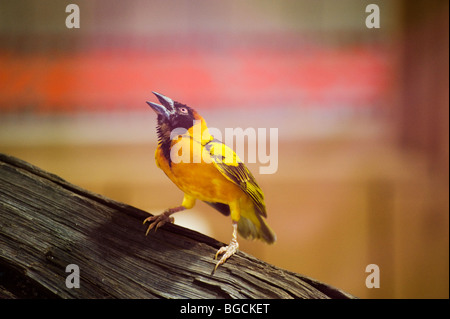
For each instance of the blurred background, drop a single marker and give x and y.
(362, 116)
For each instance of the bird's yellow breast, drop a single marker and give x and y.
(200, 180)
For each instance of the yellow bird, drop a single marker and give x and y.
(206, 169)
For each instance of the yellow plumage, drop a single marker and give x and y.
(206, 169)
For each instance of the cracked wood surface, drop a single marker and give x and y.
(46, 223)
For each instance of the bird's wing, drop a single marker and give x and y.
(230, 166)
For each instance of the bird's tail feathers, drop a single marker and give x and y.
(256, 228)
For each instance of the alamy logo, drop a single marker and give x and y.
(73, 19)
(373, 19)
(73, 279)
(373, 279)
(188, 146)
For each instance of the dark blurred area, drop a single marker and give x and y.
(362, 114)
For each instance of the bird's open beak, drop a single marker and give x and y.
(164, 109)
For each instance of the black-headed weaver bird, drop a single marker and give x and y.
(212, 173)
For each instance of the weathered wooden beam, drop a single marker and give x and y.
(47, 224)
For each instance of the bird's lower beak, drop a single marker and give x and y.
(159, 109)
(165, 108)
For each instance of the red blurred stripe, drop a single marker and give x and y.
(102, 80)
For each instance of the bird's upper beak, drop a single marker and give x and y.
(166, 109)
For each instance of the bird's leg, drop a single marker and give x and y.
(159, 220)
(229, 250)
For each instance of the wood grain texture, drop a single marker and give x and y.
(47, 223)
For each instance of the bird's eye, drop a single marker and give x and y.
(183, 110)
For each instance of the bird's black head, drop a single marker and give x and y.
(172, 114)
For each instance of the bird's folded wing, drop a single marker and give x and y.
(230, 166)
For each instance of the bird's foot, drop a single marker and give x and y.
(159, 220)
(227, 252)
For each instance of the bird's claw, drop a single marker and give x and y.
(227, 252)
(158, 220)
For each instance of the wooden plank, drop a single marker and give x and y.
(47, 223)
